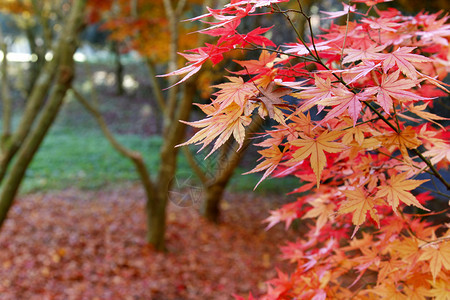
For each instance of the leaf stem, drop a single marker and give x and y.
(436, 241)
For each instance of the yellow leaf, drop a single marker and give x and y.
(359, 204)
(407, 248)
(397, 190)
(390, 269)
(405, 139)
(420, 110)
(438, 255)
(221, 126)
(440, 289)
(316, 149)
(353, 134)
(389, 291)
(322, 210)
(272, 157)
(416, 293)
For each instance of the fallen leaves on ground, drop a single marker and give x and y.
(91, 245)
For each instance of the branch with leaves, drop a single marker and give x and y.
(373, 81)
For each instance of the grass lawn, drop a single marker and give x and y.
(82, 158)
(85, 160)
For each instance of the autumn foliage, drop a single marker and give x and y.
(142, 26)
(373, 81)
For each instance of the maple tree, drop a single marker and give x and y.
(372, 79)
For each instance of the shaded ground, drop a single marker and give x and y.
(90, 245)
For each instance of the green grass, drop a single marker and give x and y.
(84, 159)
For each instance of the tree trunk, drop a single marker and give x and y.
(215, 188)
(35, 66)
(68, 43)
(156, 205)
(34, 104)
(156, 219)
(119, 69)
(6, 97)
(211, 204)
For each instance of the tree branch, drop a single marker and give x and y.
(194, 165)
(134, 156)
(156, 87)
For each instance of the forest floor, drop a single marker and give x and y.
(74, 244)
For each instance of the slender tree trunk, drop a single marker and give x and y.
(156, 206)
(119, 68)
(35, 66)
(68, 41)
(173, 133)
(34, 104)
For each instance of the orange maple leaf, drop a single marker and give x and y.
(405, 139)
(353, 133)
(236, 91)
(417, 287)
(322, 211)
(220, 126)
(359, 204)
(316, 149)
(272, 157)
(322, 89)
(390, 269)
(438, 255)
(440, 289)
(389, 291)
(406, 248)
(420, 110)
(272, 96)
(397, 189)
(255, 66)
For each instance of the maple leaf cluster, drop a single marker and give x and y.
(373, 81)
